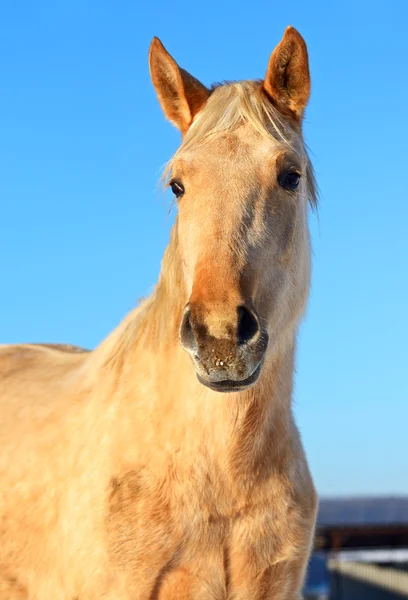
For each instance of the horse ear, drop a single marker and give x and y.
(287, 80)
(181, 95)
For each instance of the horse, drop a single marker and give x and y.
(165, 464)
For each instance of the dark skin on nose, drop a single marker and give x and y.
(213, 353)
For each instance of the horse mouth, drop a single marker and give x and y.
(230, 385)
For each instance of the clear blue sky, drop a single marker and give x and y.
(83, 227)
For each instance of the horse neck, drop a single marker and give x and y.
(238, 426)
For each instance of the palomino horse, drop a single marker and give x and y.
(125, 473)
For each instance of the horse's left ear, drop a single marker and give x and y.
(287, 80)
(180, 94)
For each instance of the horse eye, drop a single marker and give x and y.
(177, 188)
(289, 180)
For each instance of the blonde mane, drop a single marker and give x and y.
(154, 323)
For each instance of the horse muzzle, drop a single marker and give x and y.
(230, 363)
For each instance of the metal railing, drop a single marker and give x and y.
(364, 581)
(371, 574)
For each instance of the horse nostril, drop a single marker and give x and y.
(248, 325)
(187, 337)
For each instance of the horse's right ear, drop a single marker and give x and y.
(181, 95)
(287, 80)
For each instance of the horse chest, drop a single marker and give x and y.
(158, 515)
(152, 528)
